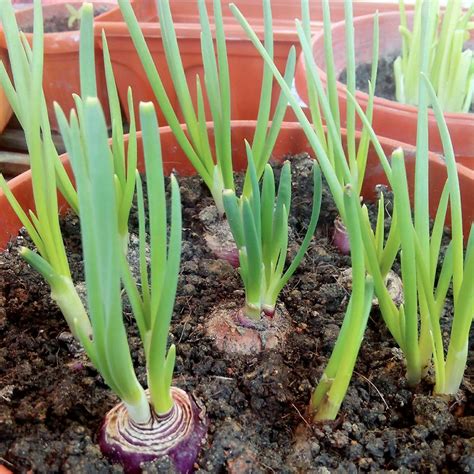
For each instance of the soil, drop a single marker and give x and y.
(52, 400)
(59, 23)
(385, 85)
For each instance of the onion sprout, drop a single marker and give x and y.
(27, 100)
(162, 420)
(424, 292)
(415, 325)
(74, 15)
(259, 224)
(451, 67)
(343, 181)
(218, 173)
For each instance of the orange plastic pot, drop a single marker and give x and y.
(5, 109)
(61, 58)
(291, 140)
(390, 119)
(245, 63)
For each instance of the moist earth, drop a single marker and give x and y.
(52, 400)
(385, 84)
(59, 23)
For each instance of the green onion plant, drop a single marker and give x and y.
(74, 15)
(259, 225)
(42, 224)
(217, 173)
(20, 88)
(321, 112)
(165, 418)
(343, 174)
(451, 66)
(26, 97)
(415, 324)
(152, 299)
(104, 260)
(329, 394)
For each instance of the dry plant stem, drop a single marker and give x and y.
(393, 284)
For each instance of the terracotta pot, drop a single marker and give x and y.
(5, 109)
(245, 63)
(61, 58)
(390, 119)
(291, 140)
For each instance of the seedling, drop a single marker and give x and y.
(74, 15)
(163, 420)
(218, 173)
(451, 66)
(259, 224)
(343, 178)
(415, 325)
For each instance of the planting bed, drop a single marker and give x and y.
(385, 86)
(59, 23)
(52, 400)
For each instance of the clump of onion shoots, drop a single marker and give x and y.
(259, 224)
(162, 420)
(451, 64)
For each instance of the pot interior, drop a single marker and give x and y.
(291, 141)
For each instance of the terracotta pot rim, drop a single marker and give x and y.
(388, 142)
(69, 40)
(382, 103)
(192, 30)
(293, 140)
(283, 29)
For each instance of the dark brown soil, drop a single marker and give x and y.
(385, 85)
(52, 400)
(59, 23)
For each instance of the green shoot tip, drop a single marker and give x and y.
(227, 192)
(92, 101)
(348, 188)
(147, 107)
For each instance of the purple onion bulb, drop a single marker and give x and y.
(340, 239)
(223, 249)
(231, 255)
(177, 434)
(268, 310)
